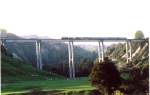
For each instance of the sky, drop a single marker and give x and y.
(75, 18)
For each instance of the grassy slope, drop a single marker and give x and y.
(15, 70)
(48, 85)
(19, 77)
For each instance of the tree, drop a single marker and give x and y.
(139, 78)
(105, 76)
(139, 35)
(3, 33)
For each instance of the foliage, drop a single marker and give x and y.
(13, 70)
(139, 78)
(135, 74)
(116, 51)
(52, 52)
(117, 92)
(81, 69)
(139, 35)
(105, 76)
(84, 67)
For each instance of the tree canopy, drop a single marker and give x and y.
(139, 35)
(105, 76)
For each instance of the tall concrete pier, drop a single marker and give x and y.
(38, 55)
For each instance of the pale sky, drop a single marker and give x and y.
(57, 18)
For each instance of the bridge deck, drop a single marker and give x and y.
(77, 39)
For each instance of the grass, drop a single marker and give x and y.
(63, 85)
(19, 77)
(13, 70)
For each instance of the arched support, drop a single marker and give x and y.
(71, 60)
(128, 51)
(100, 51)
(38, 55)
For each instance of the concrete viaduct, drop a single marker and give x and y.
(70, 41)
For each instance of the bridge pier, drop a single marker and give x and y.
(128, 51)
(71, 60)
(3, 36)
(100, 51)
(3, 42)
(38, 55)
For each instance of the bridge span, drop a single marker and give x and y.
(70, 41)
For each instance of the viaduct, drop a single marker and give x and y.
(70, 41)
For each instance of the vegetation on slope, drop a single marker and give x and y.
(52, 52)
(135, 74)
(13, 70)
(105, 77)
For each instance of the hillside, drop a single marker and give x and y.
(135, 74)
(52, 52)
(16, 70)
(140, 52)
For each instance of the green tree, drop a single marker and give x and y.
(3, 33)
(139, 78)
(139, 35)
(105, 77)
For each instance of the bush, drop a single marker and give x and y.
(139, 35)
(105, 76)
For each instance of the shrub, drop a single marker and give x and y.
(105, 76)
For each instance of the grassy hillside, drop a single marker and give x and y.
(15, 70)
(19, 77)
